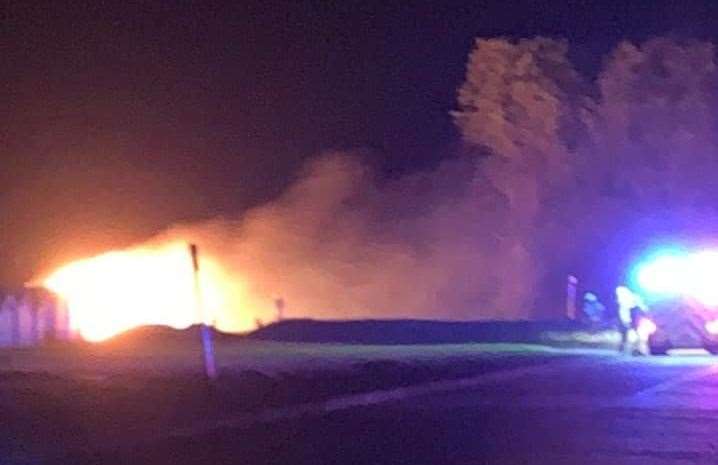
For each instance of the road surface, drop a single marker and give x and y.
(591, 409)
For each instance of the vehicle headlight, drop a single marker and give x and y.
(712, 326)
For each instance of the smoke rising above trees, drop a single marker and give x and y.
(559, 173)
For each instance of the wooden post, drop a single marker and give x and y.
(206, 333)
(9, 305)
(50, 315)
(15, 322)
(279, 305)
(34, 324)
(571, 285)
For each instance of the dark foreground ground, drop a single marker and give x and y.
(67, 403)
(582, 408)
(404, 331)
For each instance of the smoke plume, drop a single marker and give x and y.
(340, 243)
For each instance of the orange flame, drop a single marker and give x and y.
(121, 290)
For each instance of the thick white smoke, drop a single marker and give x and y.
(339, 244)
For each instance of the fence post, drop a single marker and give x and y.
(206, 333)
(571, 285)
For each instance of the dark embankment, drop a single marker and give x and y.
(411, 331)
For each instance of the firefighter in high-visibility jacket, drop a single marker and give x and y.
(630, 310)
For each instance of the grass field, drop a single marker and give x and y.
(161, 351)
(240, 355)
(77, 397)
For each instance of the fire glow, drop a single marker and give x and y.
(121, 290)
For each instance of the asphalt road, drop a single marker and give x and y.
(592, 409)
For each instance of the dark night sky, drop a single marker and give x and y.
(120, 118)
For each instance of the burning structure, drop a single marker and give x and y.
(331, 245)
(149, 285)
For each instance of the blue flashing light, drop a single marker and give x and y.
(675, 272)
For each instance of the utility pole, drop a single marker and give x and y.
(205, 331)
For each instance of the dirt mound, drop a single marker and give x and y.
(162, 334)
